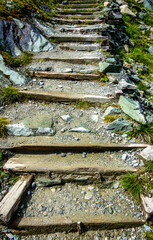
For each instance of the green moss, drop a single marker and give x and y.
(83, 105)
(11, 95)
(17, 61)
(20, 8)
(110, 118)
(104, 79)
(3, 124)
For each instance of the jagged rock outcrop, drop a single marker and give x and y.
(12, 75)
(17, 36)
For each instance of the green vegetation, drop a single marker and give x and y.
(136, 183)
(143, 132)
(84, 105)
(149, 235)
(103, 79)
(17, 61)
(20, 8)
(11, 95)
(3, 130)
(110, 118)
(139, 35)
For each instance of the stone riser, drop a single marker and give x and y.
(76, 21)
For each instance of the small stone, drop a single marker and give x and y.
(94, 118)
(60, 86)
(63, 154)
(124, 156)
(88, 195)
(66, 118)
(33, 185)
(132, 140)
(84, 154)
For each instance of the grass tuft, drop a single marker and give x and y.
(11, 95)
(110, 118)
(132, 183)
(143, 132)
(3, 130)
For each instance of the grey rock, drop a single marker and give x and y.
(126, 10)
(150, 50)
(106, 67)
(45, 27)
(4, 82)
(14, 76)
(80, 128)
(116, 77)
(17, 35)
(147, 153)
(94, 118)
(111, 111)
(63, 154)
(84, 154)
(120, 125)
(148, 5)
(127, 86)
(124, 156)
(66, 118)
(19, 130)
(38, 125)
(132, 108)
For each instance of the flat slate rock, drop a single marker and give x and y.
(132, 108)
(147, 153)
(33, 126)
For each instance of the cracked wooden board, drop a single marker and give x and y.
(11, 201)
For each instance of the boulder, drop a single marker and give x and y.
(120, 125)
(132, 108)
(105, 67)
(33, 126)
(147, 153)
(14, 76)
(126, 10)
(17, 36)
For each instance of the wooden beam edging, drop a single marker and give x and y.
(71, 147)
(70, 223)
(64, 76)
(66, 97)
(11, 201)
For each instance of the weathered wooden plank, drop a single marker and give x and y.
(70, 223)
(54, 164)
(40, 148)
(66, 97)
(11, 201)
(71, 76)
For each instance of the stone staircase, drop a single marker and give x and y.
(73, 187)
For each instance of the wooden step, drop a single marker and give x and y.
(54, 163)
(77, 38)
(64, 76)
(80, 5)
(75, 21)
(80, 10)
(11, 201)
(79, 47)
(31, 225)
(79, 16)
(50, 148)
(65, 97)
